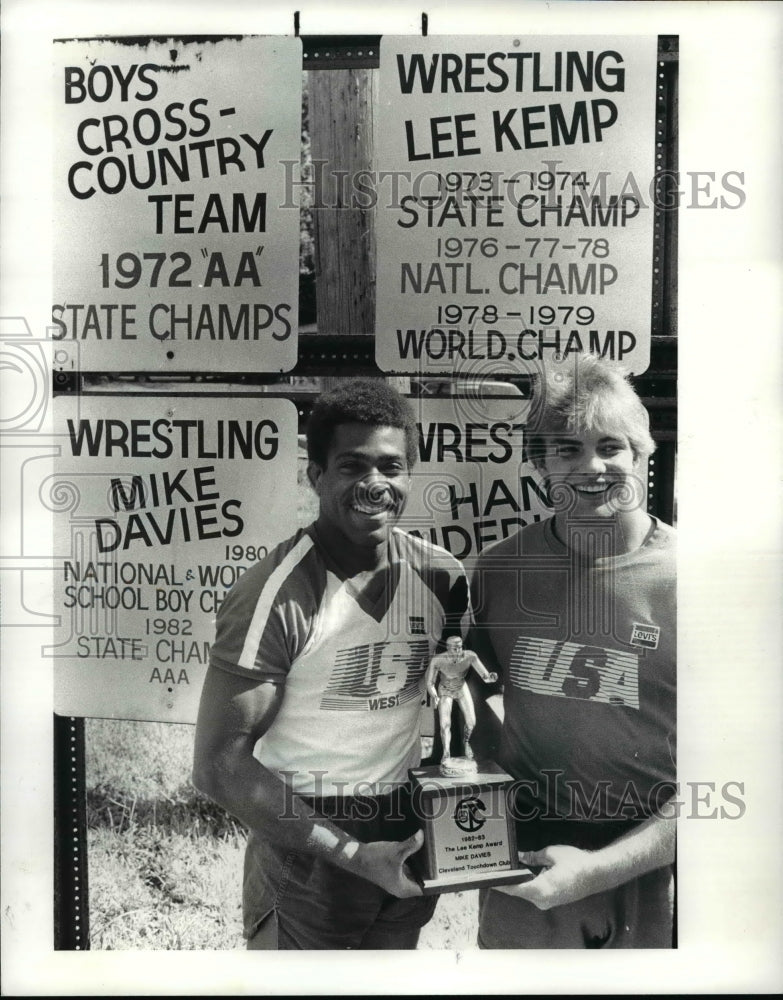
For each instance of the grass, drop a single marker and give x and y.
(165, 863)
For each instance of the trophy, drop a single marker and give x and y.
(469, 834)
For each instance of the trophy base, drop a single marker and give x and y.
(456, 883)
(469, 835)
(453, 766)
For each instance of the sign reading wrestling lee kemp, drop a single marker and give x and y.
(522, 226)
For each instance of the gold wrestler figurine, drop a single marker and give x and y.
(450, 670)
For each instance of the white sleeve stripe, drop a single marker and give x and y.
(266, 599)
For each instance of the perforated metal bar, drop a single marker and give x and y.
(335, 52)
(71, 909)
(665, 188)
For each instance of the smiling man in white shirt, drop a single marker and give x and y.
(309, 717)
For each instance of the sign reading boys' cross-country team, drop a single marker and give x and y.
(519, 224)
(176, 247)
(159, 505)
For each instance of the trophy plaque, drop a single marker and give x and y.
(469, 834)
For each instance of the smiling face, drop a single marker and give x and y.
(596, 466)
(362, 489)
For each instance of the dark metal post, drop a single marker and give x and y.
(71, 909)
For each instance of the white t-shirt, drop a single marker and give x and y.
(351, 652)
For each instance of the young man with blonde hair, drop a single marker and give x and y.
(577, 614)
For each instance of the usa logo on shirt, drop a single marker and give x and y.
(376, 675)
(573, 670)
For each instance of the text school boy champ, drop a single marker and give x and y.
(578, 613)
(320, 652)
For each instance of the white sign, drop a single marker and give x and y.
(176, 246)
(159, 505)
(519, 225)
(471, 486)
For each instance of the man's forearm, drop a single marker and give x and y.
(571, 873)
(234, 714)
(649, 846)
(263, 802)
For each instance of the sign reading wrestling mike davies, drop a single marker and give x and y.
(519, 224)
(176, 248)
(159, 504)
